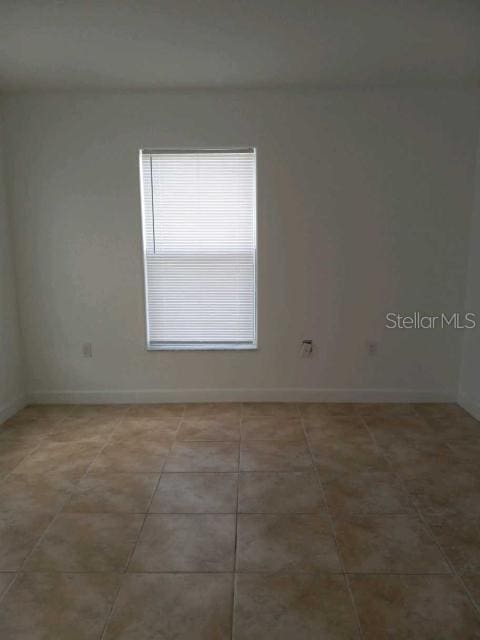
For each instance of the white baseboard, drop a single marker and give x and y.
(469, 404)
(8, 409)
(242, 395)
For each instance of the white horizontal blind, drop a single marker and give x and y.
(199, 222)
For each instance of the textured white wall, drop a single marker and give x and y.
(11, 373)
(364, 201)
(469, 387)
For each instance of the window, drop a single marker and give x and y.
(199, 233)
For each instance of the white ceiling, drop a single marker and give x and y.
(146, 44)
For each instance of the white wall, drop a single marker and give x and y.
(12, 395)
(364, 205)
(469, 387)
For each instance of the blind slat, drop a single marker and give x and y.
(199, 224)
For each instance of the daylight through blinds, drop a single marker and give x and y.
(199, 223)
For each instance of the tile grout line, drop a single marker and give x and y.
(250, 572)
(162, 472)
(332, 529)
(135, 545)
(12, 471)
(148, 507)
(234, 575)
(16, 575)
(60, 509)
(416, 507)
(43, 440)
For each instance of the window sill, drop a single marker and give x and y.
(227, 346)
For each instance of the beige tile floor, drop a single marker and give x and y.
(215, 521)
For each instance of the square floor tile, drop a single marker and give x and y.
(19, 531)
(97, 429)
(161, 430)
(280, 492)
(196, 493)
(113, 493)
(12, 452)
(98, 410)
(439, 409)
(414, 608)
(273, 455)
(275, 409)
(459, 538)
(57, 606)
(389, 431)
(458, 430)
(17, 418)
(213, 410)
(135, 456)
(304, 607)
(156, 410)
(466, 451)
(29, 431)
(45, 492)
(372, 492)
(385, 409)
(283, 528)
(464, 429)
(272, 428)
(417, 459)
(448, 489)
(172, 606)
(322, 409)
(388, 544)
(335, 458)
(189, 543)
(203, 456)
(6, 580)
(53, 427)
(337, 428)
(21, 420)
(51, 412)
(285, 543)
(70, 459)
(86, 542)
(209, 429)
(472, 583)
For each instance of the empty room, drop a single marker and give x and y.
(239, 320)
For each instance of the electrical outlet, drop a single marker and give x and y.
(372, 347)
(306, 348)
(87, 350)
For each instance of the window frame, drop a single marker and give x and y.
(199, 346)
